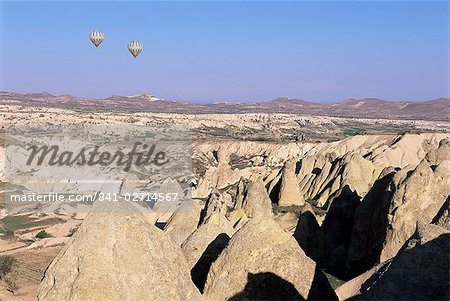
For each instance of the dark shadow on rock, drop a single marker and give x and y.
(305, 231)
(333, 237)
(215, 154)
(161, 225)
(321, 288)
(370, 228)
(267, 286)
(420, 273)
(208, 203)
(316, 171)
(275, 193)
(200, 271)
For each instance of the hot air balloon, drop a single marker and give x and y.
(96, 37)
(135, 47)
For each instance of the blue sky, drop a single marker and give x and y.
(239, 51)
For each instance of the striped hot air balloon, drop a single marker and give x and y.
(96, 37)
(135, 47)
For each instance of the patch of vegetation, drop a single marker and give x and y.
(214, 131)
(18, 222)
(15, 222)
(354, 132)
(199, 168)
(239, 162)
(42, 234)
(318, 211)
(334, 281)
(7, 233)
(6, 264)
(276, 209)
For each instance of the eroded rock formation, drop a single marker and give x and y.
(183, 221)
(419, 271)
(117, 255)
(259, 258)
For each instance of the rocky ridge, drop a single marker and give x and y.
(265, 225)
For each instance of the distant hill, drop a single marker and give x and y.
(370, 107)
(437, 109)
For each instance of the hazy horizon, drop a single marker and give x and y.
(206, 52)
(227, 100)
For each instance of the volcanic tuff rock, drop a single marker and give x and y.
(260, 259)
(320, 176)
(253, 199)
(202, 248)
(351, 169)
(237, 218)
(289, 190)
(354, 287)
(224, 163)
(196, 244)
(215, 211)
(215, 204)
(387, 215)
(183, 221)
(443, 217)
(386, 150)
(419, 271)
(117, 255)
(371, 222)
(418, 198)
(272, 183)
(286, 220)
(322, 165)
(224, 176)
(314, 171)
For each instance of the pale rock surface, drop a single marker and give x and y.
(286, 220)
(321, 175)
(196, 244)
(219, 219)
(371, 222)
(202, 248)
(49, 242)
(183, 221)
(352, 170)
(116, 246)
(237, 218)
(398, 200)
(289, 191)
(255, 200)
(215, 212)
(261, 258)
(318, 167)
(443, 217)
(408, 149)
(418, 199)
(215, 203)
(385, 150)
(353, 287)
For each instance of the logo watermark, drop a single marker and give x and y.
(59, 166)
